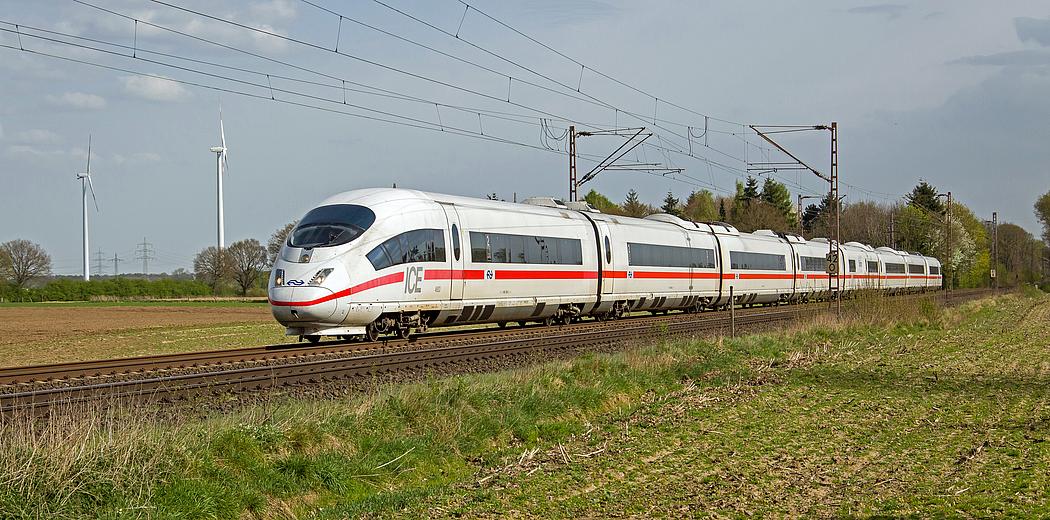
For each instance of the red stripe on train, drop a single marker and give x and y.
(361, 287)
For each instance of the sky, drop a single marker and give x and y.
(953, 92)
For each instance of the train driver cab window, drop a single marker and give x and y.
(332, 225)
(608, 251)
(455, 241)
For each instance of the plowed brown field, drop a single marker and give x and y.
(44, 334)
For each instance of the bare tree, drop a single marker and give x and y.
(212, 267)
(757, 214)
(248, 259)
(865, 222)
(22, 261)
(277, 240)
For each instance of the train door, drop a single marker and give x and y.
(606, 258)
(457, 249)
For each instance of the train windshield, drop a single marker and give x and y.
(333, 225)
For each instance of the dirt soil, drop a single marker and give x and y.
(19, 325)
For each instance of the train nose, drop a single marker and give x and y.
(291, 305)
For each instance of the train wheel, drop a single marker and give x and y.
(404, 332)
(501, 324)
(371, 334)
(548, 321)
(313, 338)
(522, 323)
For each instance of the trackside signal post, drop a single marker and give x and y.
(834, 254)
(947, 275)
(572, 163)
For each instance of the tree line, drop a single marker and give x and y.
(916, 224)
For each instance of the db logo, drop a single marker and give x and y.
(295, 283)
(490, 274)
(414, 280)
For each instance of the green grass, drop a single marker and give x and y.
(912, 411)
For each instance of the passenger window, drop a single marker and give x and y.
(455, 241)
(421, 245)
(608, 251)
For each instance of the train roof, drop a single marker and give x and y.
(556, 207)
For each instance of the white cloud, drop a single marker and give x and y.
(25, 149)
(274, 10)
(79, 100)
(154, 88)
(37, 136)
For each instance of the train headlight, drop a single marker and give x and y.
(318, 278)
(278, 278)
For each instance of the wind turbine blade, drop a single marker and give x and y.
(89, 155)
(92, 188)
(222, 138)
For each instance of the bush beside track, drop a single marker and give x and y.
(112, 288)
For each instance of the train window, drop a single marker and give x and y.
(608, 251)
(455, 241)
(761, 261)
(524, 249)
(916, 269)
(852, 266)
(873, 267)
(669, 256)
(894, 268)
(815, 264)
(419, 245)
(332, 225)
(935, 269)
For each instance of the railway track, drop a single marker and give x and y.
(291, 352)
(428, 353)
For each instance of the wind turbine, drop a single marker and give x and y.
(85, 185)
(220, 167)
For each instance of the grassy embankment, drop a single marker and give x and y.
(903, 410)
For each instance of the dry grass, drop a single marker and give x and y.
(39, 334)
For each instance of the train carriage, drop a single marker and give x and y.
(862, 267)
(916, 266)
(759, 267)
(660, 262)
(933, 278)
(894, 273)
(812, 275)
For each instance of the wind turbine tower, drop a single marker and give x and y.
(220, 167)
(85, 185)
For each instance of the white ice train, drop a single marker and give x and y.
(389, 261)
